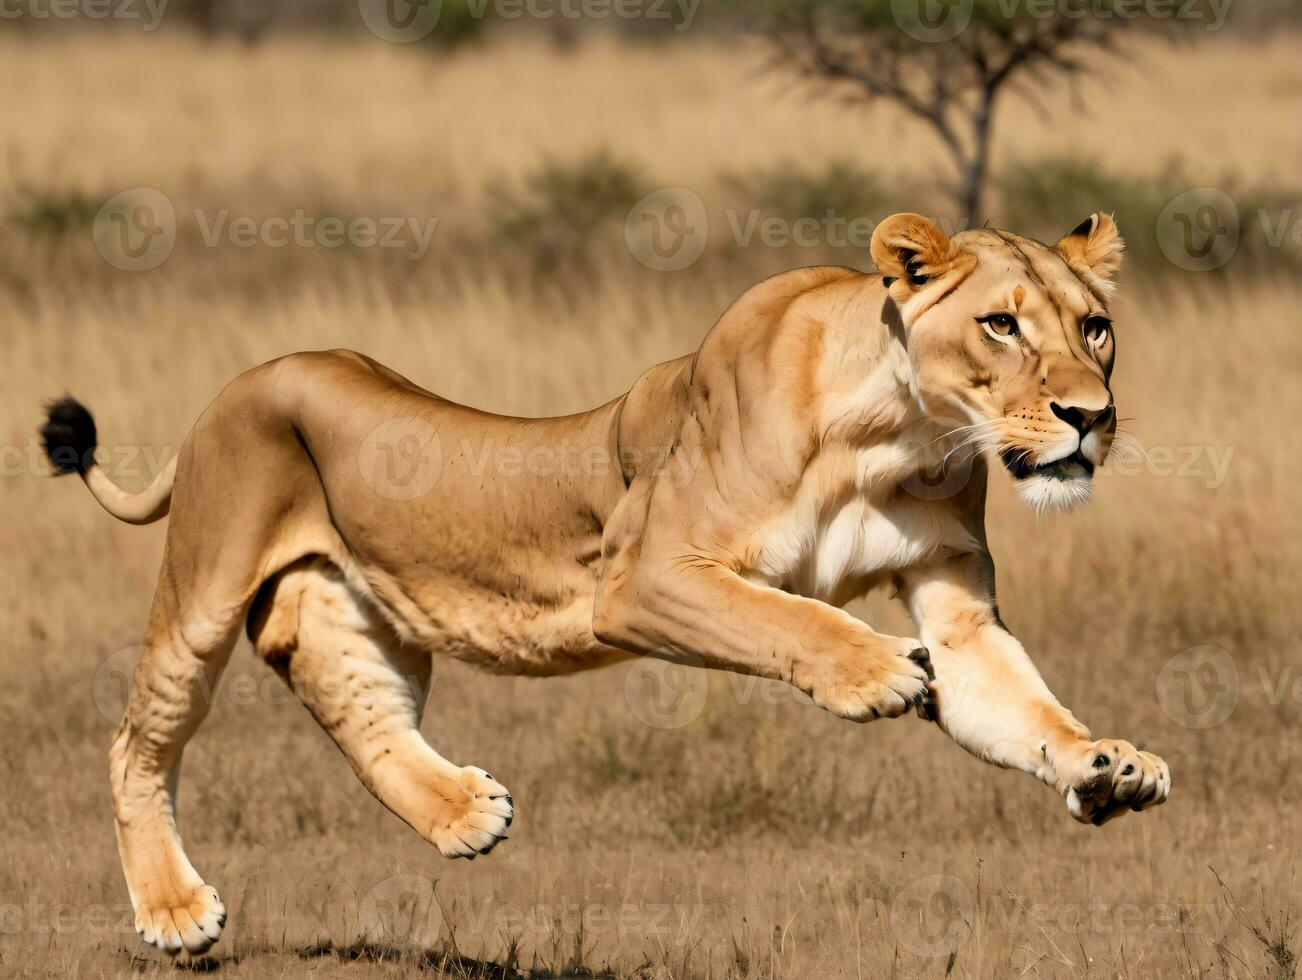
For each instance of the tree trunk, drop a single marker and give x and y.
(975, 170)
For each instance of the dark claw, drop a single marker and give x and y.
(922, 658)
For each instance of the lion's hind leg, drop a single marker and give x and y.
(170, 695)
(367, 690)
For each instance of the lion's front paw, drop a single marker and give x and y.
(881, 682)
(1111, 777)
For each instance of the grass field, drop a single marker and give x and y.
(751, 836)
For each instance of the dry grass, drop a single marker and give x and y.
(762, 839)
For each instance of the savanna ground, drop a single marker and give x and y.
(664, 828)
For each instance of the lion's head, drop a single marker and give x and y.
(1011, 343)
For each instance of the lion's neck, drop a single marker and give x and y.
(865, 377)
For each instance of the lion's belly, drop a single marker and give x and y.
(541, 630)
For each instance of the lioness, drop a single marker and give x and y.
(720, 512)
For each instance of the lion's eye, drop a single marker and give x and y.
(1096, 330)
(999, 325)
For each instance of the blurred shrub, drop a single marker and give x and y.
(460, 22)
(54, 213)
(1045, 199)
(802, 214)
(455, 22)
(1262, 17)
(246, 19)
(557, 210)
(791, 192)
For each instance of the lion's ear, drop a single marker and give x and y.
(911, 249)
(1093, 249)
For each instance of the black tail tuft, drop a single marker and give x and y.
(69, 436)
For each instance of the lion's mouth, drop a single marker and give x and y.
(1071, 467)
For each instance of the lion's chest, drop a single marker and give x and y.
(831, 544)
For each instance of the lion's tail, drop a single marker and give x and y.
(70, 441)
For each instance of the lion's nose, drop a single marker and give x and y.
(1080, 419)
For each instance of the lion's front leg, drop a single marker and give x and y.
(669, 590)
(722, 621)
(989, 697)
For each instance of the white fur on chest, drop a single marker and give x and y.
(829, 536)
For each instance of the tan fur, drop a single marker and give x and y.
(720, 512)
(1094, 254)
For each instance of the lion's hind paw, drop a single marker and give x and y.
(486, 813)
(192, 922)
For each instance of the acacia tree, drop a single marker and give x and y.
(948, 63)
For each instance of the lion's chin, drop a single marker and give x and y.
(1055, 492)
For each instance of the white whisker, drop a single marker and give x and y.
(1125, 448)
(964, 428)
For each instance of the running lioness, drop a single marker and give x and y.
(830, 435)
